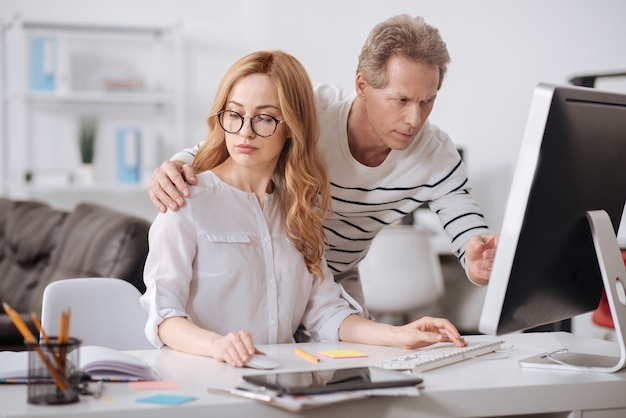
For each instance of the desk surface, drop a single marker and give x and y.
(491, 385)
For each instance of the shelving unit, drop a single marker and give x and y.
(126, 76)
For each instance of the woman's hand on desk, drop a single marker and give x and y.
(234, 348)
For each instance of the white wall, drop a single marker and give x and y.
(500, 51)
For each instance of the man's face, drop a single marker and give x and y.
(397, 111)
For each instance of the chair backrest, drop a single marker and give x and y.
(105, 311)
(401, 272)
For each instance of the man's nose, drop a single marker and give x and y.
(412, 115)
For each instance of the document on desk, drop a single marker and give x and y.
(299, 390)
(297, 403)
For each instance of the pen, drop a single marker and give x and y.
(306, 355)
(12, 380)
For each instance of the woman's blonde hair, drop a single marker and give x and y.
(300, 177)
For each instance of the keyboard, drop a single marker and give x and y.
(442, 355)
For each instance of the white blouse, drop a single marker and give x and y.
(228, 265)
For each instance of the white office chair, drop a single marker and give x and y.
(401, 275)
(105, 311)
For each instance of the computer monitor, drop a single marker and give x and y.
(558, 246)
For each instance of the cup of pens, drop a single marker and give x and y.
(53, 368)
(53, 373)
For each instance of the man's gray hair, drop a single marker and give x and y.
(401, 35)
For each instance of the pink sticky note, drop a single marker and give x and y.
(154, 385)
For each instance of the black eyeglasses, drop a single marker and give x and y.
(263, 125)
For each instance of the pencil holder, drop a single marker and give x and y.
(53, 371)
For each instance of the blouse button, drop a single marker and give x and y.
(273, 322)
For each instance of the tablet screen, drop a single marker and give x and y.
(296, 383)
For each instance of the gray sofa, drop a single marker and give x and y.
(40, 244)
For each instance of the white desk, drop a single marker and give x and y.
(477, 387)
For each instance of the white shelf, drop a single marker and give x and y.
(94, 188)
(113, 28)
(38, 129)
(103, 97)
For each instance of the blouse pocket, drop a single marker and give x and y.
(228, 238)
(222, 254)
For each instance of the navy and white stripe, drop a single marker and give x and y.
(359, 213)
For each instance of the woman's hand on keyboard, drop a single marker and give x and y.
(426, 331)
(421, 333)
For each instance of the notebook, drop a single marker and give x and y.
(101, 363)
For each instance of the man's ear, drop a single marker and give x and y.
(361, 85)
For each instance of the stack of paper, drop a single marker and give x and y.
(297, 403)
(298, 390)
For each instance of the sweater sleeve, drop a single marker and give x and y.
(187, 155)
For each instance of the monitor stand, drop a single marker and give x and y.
(614, 278)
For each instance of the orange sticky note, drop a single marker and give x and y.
(336, 354)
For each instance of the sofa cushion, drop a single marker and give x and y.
(31, 231)
(96, 241)
(119, 251)
(28, 232)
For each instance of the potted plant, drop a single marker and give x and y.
(87, 146)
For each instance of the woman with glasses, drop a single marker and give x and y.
(243, 262)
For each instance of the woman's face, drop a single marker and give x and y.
(251, 96)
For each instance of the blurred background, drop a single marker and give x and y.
(96, 94)
(500, 51)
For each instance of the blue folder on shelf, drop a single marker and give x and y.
(128, 155)
(43, 64)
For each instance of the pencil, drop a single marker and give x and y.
(64, 338)
(46, 339)
(306, 355)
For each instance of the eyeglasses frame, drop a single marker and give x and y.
(243, 121)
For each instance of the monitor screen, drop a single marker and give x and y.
(572, 161)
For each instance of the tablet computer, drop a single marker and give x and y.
(326, 381)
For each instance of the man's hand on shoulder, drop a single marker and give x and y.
(169, 185)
